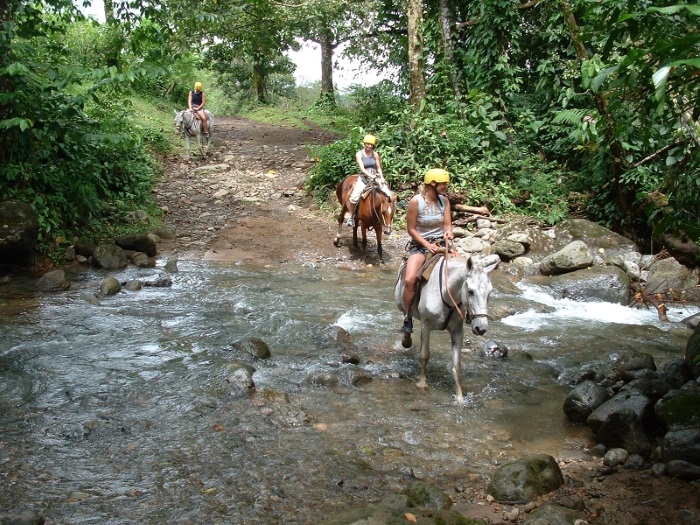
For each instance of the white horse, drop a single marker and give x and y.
(457, 292)
(191, 127)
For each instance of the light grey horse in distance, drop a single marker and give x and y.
(191, 128)
(456, 293)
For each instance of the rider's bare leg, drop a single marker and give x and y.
(205, 124)
(413, 265)
(351, 212)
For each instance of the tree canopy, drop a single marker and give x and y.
(571, 106)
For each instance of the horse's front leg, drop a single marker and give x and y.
(364, 238)
(189, 145)
(378, 229)
(354, 234)
(456, 335)
(341, 219)
(424, 356)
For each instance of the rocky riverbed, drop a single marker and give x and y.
(246, 203)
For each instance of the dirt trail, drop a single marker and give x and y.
(245, 203)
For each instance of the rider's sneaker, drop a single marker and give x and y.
(351, 222)
(407, 327)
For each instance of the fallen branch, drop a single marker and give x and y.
(479, 210)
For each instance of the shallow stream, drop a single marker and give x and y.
(116, 410)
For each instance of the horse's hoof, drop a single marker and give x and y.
(406, 342)
(336, 243)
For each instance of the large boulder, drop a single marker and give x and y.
(692, 349)
(572, 257)
(19, 233)
(669, 274)
(621, 422)
(583, 400)
(109, 257)
(597, 283)
(603, 242)
(138, 243)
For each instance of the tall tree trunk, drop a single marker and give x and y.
(109, 11)
(116, 40)
(327, 97)
(260, 78)
(624, 195)
(448, 49)
(416, 60)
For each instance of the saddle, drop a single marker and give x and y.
(424, 272)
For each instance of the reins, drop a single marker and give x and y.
(467, 317)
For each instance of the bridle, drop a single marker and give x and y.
(187, 129)
(466, 316)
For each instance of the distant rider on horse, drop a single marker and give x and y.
(196, 101)
(370, 164)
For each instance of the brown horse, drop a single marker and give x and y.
(374, 212)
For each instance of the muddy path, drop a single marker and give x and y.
(246, 202)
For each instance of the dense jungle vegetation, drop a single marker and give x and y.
(544, 108)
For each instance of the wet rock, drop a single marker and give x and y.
(109, 257)
(494, 350)
(86, 249)
(684, 470)
(615, 457)
(683, 444)
(19, 233)
(26, 517)
(110, 286)
(424, 495)
(600, 283)
(630, 363)
(573, 257)
(667, 274)
(508, 249)
(53, 281)
(583, 400)
(552, 514)
(254, 347)
(240, 380)
(171, 265)
(526, 479)
(139, 243)
(692, 349)
(620, 422)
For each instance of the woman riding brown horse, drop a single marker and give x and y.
(375, 211)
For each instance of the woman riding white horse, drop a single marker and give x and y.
(429, 223)
(196, 101)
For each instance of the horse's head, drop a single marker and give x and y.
(388, 211)
(179, 118)
(475, 295)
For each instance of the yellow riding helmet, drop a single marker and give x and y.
(437, 175)
(198, 86)
(370, 139)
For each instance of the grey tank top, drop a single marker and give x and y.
(370, 163)
(430, 220)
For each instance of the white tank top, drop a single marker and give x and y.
(430, 220)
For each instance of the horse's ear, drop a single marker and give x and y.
(489, 262)
(470, 264)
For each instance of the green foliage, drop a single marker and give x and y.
(71, 153)
(484, 168)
